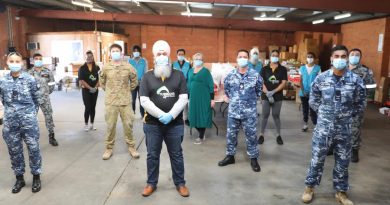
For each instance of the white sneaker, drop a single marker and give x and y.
(92, 127)
(305, 127)
(86, 128)
(198, 141)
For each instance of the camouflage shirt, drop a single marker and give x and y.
(243, 92)
(45, 79)
(118, 81)
(19, 96)
(367, 76)
(337, 99)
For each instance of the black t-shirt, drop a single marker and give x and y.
(273, 79)
(90, 77)
(163, 94)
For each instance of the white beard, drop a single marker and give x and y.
(162, 71)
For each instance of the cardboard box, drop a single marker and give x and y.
(283, 48)
(263, 55)
(295, 48)
(382, 91)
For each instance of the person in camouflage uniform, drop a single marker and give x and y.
(19, 95)
(337, 95)
(243, 87)
(45, 79)
(118, 79)
(367, 76)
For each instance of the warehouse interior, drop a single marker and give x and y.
(74, 172)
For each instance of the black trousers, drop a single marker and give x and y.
(89, 100)
(306, 109)
(134, 94)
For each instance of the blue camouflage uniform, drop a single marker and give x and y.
(243, 92)
(368, 79)
(20, 99)
(46, 82)
(336, 100)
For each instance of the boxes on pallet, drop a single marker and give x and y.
(382, 91)
(288, 55)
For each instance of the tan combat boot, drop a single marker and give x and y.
(342, 198)
(133, 152)
(307, 195)
(107, 154)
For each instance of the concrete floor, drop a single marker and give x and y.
(74, 172)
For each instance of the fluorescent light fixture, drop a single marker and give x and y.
(97, 10)
(263, 15)
(318, 21)
(263, 8)
(81, 3)
(161, 2)
(268, 19)
(316, 12)
(201, 5)
(196, 14)
(226, 5)
(341, 16)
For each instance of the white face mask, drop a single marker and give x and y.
(161, 60)
(310, 60)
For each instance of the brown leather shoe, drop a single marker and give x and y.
(183, 191)
(148, 190)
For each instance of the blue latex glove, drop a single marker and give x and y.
(271, 100)
(165, 118)
(270, 93)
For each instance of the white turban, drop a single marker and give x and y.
(161, 45)
(254, 50)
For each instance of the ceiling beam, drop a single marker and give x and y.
(232, 11)
(181, 21)
(148, 8)
(372, 6)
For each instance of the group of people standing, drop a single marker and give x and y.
(335, 99)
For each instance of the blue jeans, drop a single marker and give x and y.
(173, 137)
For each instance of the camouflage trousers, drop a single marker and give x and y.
(111, 117)
(326, 135)
(356, 132)
(249, 127)
(16, 131)
(48, 113)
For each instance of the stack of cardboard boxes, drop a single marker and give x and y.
(308, 45)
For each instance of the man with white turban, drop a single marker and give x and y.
(164, 95)
(254, 61)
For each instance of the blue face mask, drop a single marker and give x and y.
(136, 54)
(116, 56)
(339, 63)
(274, 59)
(162, 60)
(198, 63)
(354, 60)
(38, 63)
(180, 58)
(242, 62)
(15, 67)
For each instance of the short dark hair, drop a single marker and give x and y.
(339, 48)
(311, 53)
(37, 55)
(181, 49)
(89, 52)
(356, 49)
(277, 51)
(137, 47)
(116, 46)
(243, 50)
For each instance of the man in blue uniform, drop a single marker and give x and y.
(242, 87)
(141, 66)
(367, 76)
(45, 79)
(19, 95)
(337, 96)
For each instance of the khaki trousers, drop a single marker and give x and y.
(111, 117)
